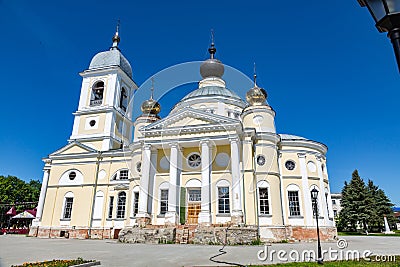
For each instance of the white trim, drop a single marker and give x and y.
(193, 183)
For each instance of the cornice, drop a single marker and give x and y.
(273, 137)
(307, 144)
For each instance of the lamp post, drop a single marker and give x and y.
(386, 14)
(314, 196)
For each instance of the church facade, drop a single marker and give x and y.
(215, 160)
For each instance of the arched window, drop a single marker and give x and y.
(263, 197)
(223, 203)
(67, 207)
(123, 101)
(121, 205)
(97, 94)
(293, 200)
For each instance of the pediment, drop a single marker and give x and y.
(189, 118)
(73, 148)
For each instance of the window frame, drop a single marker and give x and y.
(94, 100)
(292, 212)
(68, 206)
(121, 205)
(135, 205)
(110, 207)
(264, 202)
(123, 105)
(164, 201)
(224, 201)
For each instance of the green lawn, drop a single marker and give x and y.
(396, 233)
(359, 263)
(53, 263)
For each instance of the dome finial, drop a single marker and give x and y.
(212, 50)
(256, 96)
(116, 39)
(151, 107)
(255, 75)
(152, 88)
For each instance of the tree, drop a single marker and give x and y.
(363, 204)
(355, 203)
(381, 206)
(13, 190)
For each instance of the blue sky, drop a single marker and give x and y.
(329, 74)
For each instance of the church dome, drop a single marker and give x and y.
(151, 107)
(111, 58)
(256, 96)
(211, 91)
(212, 67)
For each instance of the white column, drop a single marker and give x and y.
(308, 211)
(237, 213)
(284, 202)
(171, 217)
(42, 197)
(322, 198)
(153, 169)
(205, 215)
(144, 182)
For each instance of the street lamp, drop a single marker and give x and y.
(314, 196)
(386, 14)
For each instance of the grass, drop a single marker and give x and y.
(54, 263)
(360, 263)
(396, 233)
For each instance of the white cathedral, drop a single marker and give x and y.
(214, 161)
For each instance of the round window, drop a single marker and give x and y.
(92, 123)
(260, 160)
(72, 175)
(290, 165)
(139, 167)
(194, 160)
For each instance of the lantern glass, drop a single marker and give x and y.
(314, 194)
(377, 9)
(393, 6)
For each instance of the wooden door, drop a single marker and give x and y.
(193, 213)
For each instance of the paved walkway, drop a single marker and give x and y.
(20, 249)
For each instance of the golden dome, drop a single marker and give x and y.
(151, 107)
(256, 96)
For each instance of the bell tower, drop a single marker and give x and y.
(103, 120)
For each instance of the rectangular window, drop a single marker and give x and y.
(135, 203)
(294, 204)
(264, 203)
(194, 195)
(68, 207)
(164, 201)
(121, 205)
(110, 207)
(223, 200)
(333, 202)
(123, 174)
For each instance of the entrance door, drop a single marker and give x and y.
(193, 213)
(194, 205)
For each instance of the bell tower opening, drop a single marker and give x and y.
(96, 98)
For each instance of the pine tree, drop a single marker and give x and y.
(355, 203)
(363, 204)
(381, 206)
